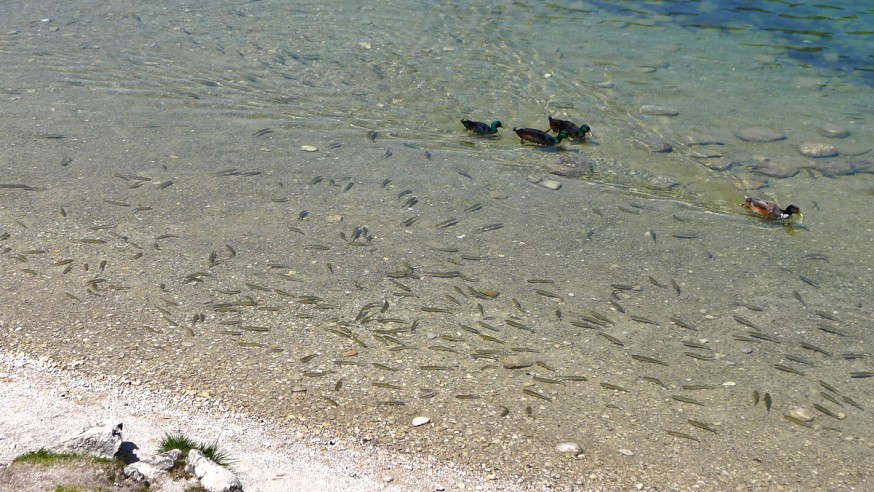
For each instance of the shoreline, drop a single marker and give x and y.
(44, 403)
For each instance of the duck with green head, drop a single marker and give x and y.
(539, 137)
(482, 128)
(578, 132)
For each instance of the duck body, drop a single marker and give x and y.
(482, 128)
(769, 210)
(539, 137)
(569, 127)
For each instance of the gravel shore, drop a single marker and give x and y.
(42, 403)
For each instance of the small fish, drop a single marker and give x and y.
(613, 387)
(825, 411)
(768, 401)
(643, 358)
(701, 425)
(536, 394)
(683, 435)
(641, 319)
(654, 381)
(686, 399)
(682, 324)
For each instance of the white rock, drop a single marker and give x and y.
(570, 448)
(802, 414)
(627, 452)
(103, 442)
(550, 184)
(817, 149)
(309, 148)
(213, 478)
(420, 421)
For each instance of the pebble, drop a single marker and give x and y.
(834, 168)
(309, 148)
(751, 183)
(550, 184)
(653, 144)
(573, 166)
(759, 134)
(695, 138)
(722, 163)
(626, 452)
(817, 149)
(776, 169)
(498, 195)
(708, 152)
(802, 414)
(862, 165)
(834, 131)
(660, 181)
(570, 448)
(658, 110)
(516, 362)
(418, 421)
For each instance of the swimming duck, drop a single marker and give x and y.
(569, 127)
(769, 210)
(480, 127)
(539, 137)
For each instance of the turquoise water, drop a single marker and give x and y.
(161, 210)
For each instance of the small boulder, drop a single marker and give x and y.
(101, 441)
(212, 476)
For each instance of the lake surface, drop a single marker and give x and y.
(275, 207)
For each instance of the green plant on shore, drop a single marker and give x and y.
(43, 456)
(76, 488)
(185, 444)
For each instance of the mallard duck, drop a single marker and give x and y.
(569, 127)
(769, 210)
(539, 137)
(482, 128)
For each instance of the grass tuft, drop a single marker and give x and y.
(43, 456)
(185, 444)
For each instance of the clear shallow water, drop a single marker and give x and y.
(161, 110)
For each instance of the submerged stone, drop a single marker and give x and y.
(573, 166)
(759, 134)
(695, 138)
(835, 168)
(834, 131)
(654, 110)
(776, 169)
(817, 149)
(654, 144)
